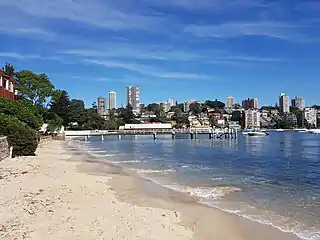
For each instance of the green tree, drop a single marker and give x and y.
(9, 69)
(34, 87)
(94, 106)
(60, 105)
(195, 108)
(236, 116)
(53, 120)
(214, 104)
(22, 110)
(154, 107)
(20, 136)
(93, 120)
(77, 111)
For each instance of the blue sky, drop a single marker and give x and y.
(179, 49)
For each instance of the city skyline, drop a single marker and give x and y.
(180, 48)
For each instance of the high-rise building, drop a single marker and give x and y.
(133, 97)
(284, 103)
(112, 100)
(101, 105)
(230, 102)
(250, 103)
(250, 119)
(170, 103)
(310, 114)
(298, 103)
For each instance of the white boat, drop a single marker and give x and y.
(279, 130)
(257, 133)
(301, 130)
(314, 131)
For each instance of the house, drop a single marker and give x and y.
(7, 86)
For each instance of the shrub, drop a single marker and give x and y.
(23, 110)
(20, 136)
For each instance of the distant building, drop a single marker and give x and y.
(250, 119)
(133, 97)
(284, 103)
(310, 115)
(7, 86)
(186, 105)
(165, 107)
(112, 100)
(101, 105)
(298, 103)
(250, 103)
(230, 102)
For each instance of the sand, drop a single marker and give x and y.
(61, 194)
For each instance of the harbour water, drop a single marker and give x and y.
(271, 179)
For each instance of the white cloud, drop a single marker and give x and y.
(125, 50)
(147, 70)
(270, 29)
(209, 5)
(97, 13)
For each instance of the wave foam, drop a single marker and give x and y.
(212, 193)
(128, 161)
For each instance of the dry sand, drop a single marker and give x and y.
(59, 194)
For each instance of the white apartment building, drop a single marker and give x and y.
(133, 97)
(310, 114)
(101, 105)
(284, 103)
(251, 119)
(230, 102)
(112, 100)
(298, 102)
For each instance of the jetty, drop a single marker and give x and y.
(192, 133)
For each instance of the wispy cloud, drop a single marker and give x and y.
(277, 30)
(98, 13)
(125, 50)
(19, 56)
(147, 70)
(209, 5)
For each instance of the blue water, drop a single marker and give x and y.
(272, 179)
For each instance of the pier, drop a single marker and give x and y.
(192, 133)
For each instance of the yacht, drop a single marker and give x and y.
(315, 131)
(301, 130)
(256, 132)
(279, 130)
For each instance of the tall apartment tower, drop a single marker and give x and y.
(298, 103)
(230, 102)
(112, 100)
(133, 97)
(250, 103)
(284, 103)
(101, 105)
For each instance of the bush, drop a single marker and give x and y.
(21, 137)
(23, 110)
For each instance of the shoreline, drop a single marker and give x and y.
(64, 194)
(145, 192)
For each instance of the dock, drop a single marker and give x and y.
(191, 132)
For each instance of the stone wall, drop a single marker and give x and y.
(4, 148)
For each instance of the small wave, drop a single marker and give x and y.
(217, 179)
(211, 193)
(154, 171)
(96, 151)
(128, 161)
(272, 182)
(292, 228)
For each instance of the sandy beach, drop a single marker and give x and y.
(63, 194)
